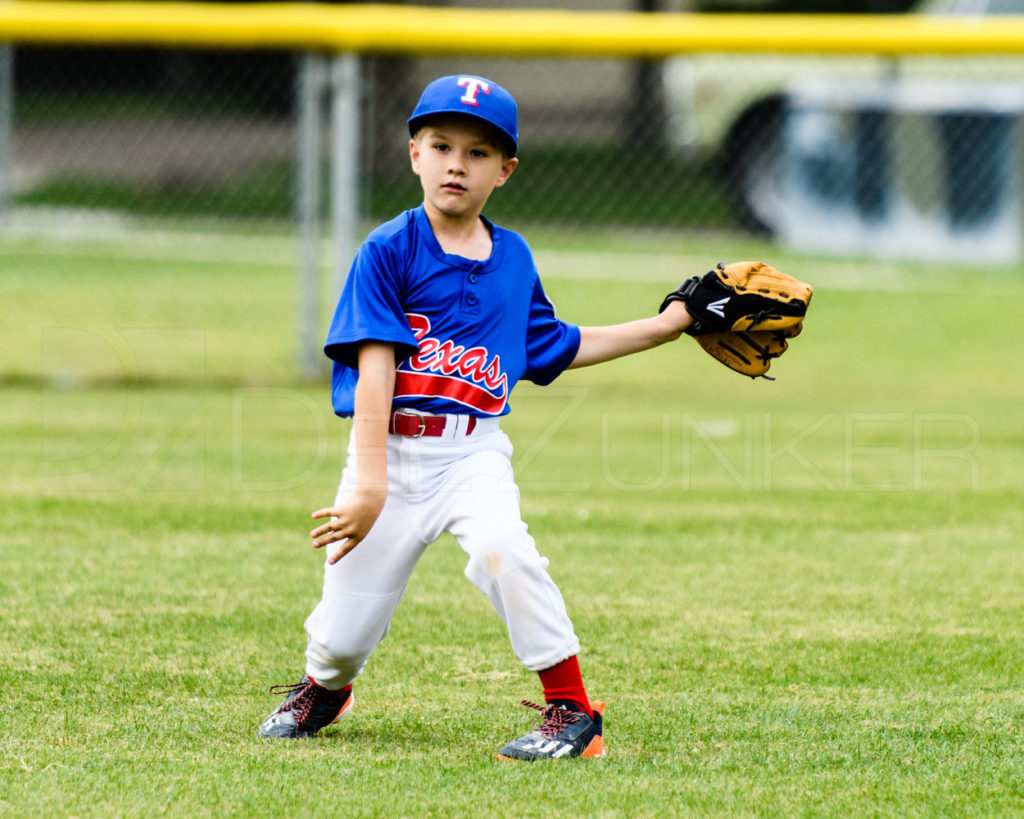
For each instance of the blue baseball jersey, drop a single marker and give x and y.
(465, 331)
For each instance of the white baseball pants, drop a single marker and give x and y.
(457, 483)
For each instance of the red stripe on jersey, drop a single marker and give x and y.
(410, 385)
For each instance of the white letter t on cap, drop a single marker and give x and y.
(472, 86)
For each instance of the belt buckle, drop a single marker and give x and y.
(419, 417)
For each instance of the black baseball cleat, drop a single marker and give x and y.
(560, 733)
(308, 708)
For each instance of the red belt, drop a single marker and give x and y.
(413, 425)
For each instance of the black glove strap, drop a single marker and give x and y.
(682, 293)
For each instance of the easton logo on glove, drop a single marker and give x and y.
(744, 313)
(718, 307)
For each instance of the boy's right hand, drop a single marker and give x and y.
(351, 521)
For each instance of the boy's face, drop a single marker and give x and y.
(459, 164)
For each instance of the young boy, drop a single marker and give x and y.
(442, 313)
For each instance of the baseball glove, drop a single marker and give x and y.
(744, 313)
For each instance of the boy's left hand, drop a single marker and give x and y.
(743, 314)
(351, 522)
(677, 317)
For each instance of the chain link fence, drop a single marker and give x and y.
(859, 154)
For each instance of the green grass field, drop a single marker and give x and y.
(799, 598)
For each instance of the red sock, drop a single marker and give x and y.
(564, 682)
(343, 690)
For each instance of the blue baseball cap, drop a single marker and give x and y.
(472, 96)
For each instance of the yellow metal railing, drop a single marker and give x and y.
(432, 30)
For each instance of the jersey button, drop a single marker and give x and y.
(472, 278)
(471, 300)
